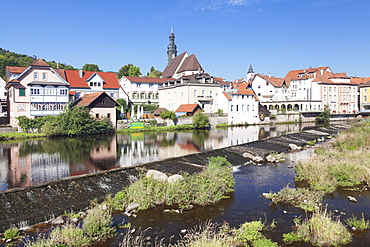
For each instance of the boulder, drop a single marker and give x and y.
(352, 198)
(270, 158)
(157, 175)
(57, 221)
(174, 178)
(131, 207)
(248, 156)
(293, 147)
(257, 159)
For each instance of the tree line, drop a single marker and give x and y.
(8, 58)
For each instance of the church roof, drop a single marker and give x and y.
(190, 63)
(171, 68)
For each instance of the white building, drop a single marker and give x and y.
(140, 90)
(2, 95)
(241, 104)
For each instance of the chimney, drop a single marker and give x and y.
(80, 73)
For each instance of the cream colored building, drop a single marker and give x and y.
(199, 89)
(365, 97)
(37, 91)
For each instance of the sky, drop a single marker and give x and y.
(227, 36)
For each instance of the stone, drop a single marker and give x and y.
(157, 175)
(293, 147)
(248, 156)
(132, 207)
(57, 221)
(285, 212)
(257, 159)
(74, 220)
(167, 210)
(184, 231)
(174, 178)
(352, 198)
(270, 158)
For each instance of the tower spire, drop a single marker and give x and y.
(171, 48)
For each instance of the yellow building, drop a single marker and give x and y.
(365, 96)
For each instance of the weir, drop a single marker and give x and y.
(23, 207)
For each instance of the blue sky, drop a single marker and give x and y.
(275, 36)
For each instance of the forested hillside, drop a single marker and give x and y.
(8, 58)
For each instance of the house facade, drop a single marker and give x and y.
(35, 91)
(365, 97)
(140, 90)
(241, 104)
(101, 105)
(3, 92)
(87, 82)
(199, 89)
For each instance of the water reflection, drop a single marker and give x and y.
(32, 162)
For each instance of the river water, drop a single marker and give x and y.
(26, 163)
(32, 162)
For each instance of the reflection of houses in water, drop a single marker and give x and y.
(34, 168)
(4, 157)
(136, 149)
(102, 157)
(238, 136)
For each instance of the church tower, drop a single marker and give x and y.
(250, 73)
(171, 48)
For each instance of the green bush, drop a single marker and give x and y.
(323, 119)
(11, 233)
(98, 222)
(200, 120)
(166, 114)
(68, 235)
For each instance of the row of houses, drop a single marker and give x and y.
(39, 90)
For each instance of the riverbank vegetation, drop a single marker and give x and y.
(207, 187)
(320, 230)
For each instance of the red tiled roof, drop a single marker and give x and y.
(187, 107)
(87, 99)
(40, 62)
(293, 74)
(221, 81)
(15, 70)
(276, 82)
(360, 80)
(158, 111)
(73, 78)
(227, 96)
(146, 79)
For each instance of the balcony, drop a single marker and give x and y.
(205, 98)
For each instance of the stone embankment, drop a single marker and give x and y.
(31, 205)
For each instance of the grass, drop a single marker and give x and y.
(19, 135)
(345, 164)
(11, 233)
(359, 223)
(206, 187)
(320, 230)
(157, 129)
(299, 197)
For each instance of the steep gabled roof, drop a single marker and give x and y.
(276, 82)
(73, 77)
(175, 63)
(88, 99)
(228, 97)
(187, 108)
(146, 79)
(190, 63)
(359, 80)
(39, 62)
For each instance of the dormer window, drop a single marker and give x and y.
(44, 76)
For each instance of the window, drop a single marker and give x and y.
(97, 115)
(138, 84)
(195, 93)
(35, 91)
(203, 92)
(181, 94)
(63, 91)
(108, 115)
(22, 92)
(35, 76)
(365, 98)
(91, 84)
(151, 85)
(231, 108)
(21, 107)
(210, 93)
(44, 76)
(99, 84)
(112, 95)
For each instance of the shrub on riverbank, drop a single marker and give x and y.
(74, 121)
(320, 230)
(345, 164)
(206, 187)
(200, 120)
